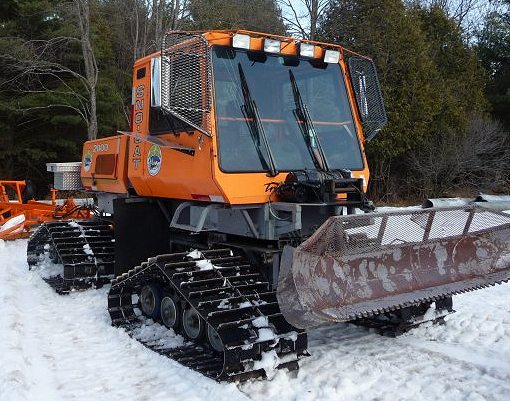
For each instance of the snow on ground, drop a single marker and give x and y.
(63, 348)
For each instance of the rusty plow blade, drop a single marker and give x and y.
(362, 265)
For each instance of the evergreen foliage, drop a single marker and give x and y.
(494, 53)
(260, 16)
(432, 81)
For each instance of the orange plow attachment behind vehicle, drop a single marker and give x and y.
(17, 218)
(360, 266)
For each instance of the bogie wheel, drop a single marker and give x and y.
(170, 312)
(150, 300)
(214, 339)
(192, 324)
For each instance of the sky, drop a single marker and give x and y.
(470, 23)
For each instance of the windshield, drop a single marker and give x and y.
(266, 77)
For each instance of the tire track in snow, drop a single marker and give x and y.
(37, 345)
(481, 359)
(13, 381)
(349, 363)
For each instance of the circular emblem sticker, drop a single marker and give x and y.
(87, 160)
(154, 160)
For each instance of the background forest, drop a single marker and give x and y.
(444, 66)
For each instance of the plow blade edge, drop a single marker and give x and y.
(362, 265)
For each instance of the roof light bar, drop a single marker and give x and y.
(241, 41)
(272, 45)
(331, 56)
(306, 50)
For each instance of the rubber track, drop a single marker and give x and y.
(391, 329)
(396, 324)
(228, 297)
(85, 248)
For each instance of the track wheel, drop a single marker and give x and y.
(214, 339)
(192, 323)
(150, 300)
(169, 312)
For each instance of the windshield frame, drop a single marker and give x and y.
(348, 97)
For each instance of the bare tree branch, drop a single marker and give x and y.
(304, 23)
(295, 21)
(462, 160)
(49, 106)
(31, 69)
(467, 13)
(91, 70)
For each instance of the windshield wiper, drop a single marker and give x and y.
(307, 128)
(251, 114)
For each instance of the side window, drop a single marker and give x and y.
(185, 79)
(140, 73)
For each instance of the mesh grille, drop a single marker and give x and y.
(353, 235)
(368, 95)
(186, 79)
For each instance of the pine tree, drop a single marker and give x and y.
(457, 64)
(256, 15)
(384, 31)
(494, 53)
(41, 113)
(431, 80)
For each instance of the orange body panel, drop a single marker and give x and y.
(104, 164)
(179, 175)
(158, 170)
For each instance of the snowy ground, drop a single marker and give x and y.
(63, 348)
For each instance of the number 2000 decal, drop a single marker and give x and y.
(100, 147)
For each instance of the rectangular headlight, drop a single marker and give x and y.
(306, 50)
(331, 56)
(271, 45)
(241, 41)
